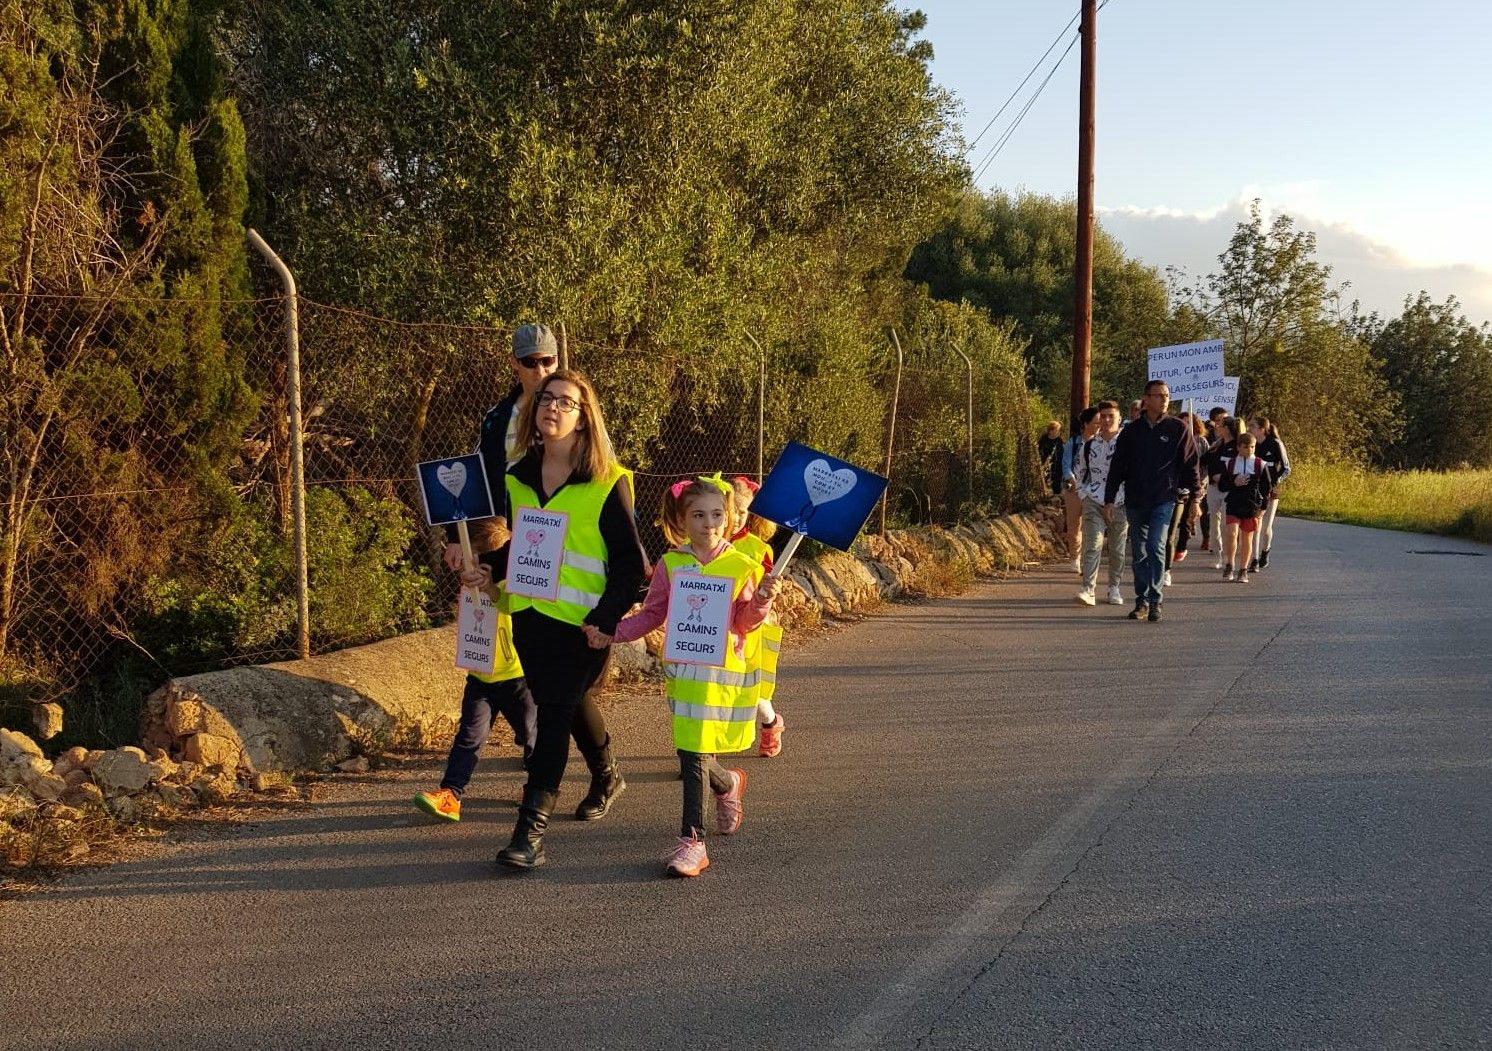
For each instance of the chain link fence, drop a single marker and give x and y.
(148, 499)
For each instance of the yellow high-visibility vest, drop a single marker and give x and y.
(507, 665)
(714, 709)
(765, 643)
(582, 577)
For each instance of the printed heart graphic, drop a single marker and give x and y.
(452, 477)
(698, 601)
(535, 537)
(825, 484)
(479, 613)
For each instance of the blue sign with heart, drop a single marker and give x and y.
(455, 490)
(818, 495)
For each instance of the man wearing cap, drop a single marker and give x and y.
(535, 355)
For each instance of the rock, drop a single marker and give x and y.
(358, 764)
(14, 744)
(215, 788)
(161, 768)
(94, 755)
(14, 802)
(84, 795)
(47, 718)
(74, 777)
(60, 812)
(208, 749)
(184, 715)
(24, 770)
(73, 759)
(174, 795)
(122, 771)
(48, 788)
(123, 808)
(186, 773)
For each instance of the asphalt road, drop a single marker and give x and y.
(1000, 820)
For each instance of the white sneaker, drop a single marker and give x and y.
(1086, 597)
(1116, 597)
(1219, 563)
(1165, 581)
(1077, 565)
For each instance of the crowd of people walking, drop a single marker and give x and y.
(1140, 486)
(1145, 486)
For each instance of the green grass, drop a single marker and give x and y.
(1453, 503)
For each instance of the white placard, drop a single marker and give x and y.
(698, 625)
(1188, 367)
(1224, 395)
(536, 551)
(476, 632)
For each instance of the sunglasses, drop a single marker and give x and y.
(536, 361)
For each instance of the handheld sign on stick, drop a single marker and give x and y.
(455, 492)
(815, 494)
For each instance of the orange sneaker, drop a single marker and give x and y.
(769, 738)
(729, 809)
(442, 803)
(689, 858)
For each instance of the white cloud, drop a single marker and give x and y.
(1378, 274)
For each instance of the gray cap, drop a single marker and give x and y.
(534, 339)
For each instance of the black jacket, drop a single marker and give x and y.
(1272, 452)
(1154, 462)
(492, 443)
(1245, 501)
(625, 563)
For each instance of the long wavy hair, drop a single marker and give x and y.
(593, 456)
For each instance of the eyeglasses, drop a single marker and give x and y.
(535, 361)
(562, 402)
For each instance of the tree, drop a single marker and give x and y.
(120, 235)
(1013, 256)
(1441, 365)
(1299, 359)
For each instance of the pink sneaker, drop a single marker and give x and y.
(688, 858)
(729, 811)
(769, 738)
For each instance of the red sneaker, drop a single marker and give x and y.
(769, 738)
(729, 812)
(689, 858)
(1180, 556)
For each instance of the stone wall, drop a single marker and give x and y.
(206, 734)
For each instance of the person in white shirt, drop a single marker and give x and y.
(1091, 472)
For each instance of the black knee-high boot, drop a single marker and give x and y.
(606, 785)
(526, 850)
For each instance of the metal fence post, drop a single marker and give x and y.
(761, 406)
(564, 347)
(297, 451)
(891, 426)
(970, 420)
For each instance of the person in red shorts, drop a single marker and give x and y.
(1245, 482)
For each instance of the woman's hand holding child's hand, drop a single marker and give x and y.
(597, 638)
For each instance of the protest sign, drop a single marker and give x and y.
(536, 552)
(1222, 396)
(476, 632)
(815, 494)
(698, 624)
(1188, 367)
(455, 490)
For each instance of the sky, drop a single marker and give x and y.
(1369, 122)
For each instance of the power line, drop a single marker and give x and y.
(1055, 41)
(1004, 138)
(1016, 123)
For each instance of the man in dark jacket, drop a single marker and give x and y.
(535, 355)
(1154, 457)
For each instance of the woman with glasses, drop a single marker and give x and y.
(574, 559)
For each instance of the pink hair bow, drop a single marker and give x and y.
(748, 483)
(677, 489)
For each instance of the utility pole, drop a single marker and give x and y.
(1082, 313)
